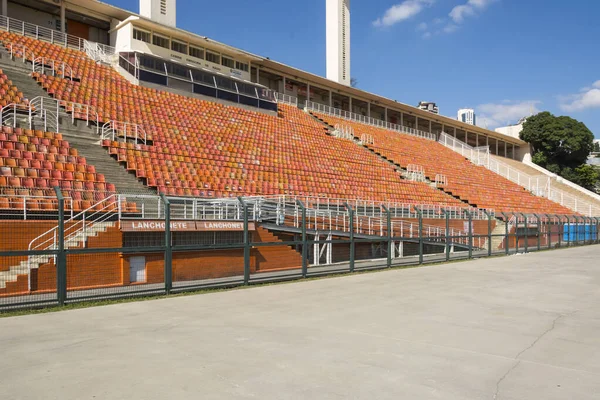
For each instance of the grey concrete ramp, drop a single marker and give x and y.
(520, 327)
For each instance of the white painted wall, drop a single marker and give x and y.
(337, 15)
(512, 130)
(161, 11)
(124, 41)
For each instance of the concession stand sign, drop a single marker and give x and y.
(184, 226)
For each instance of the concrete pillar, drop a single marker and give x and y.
(368, 109)
(385, 114)
(62, 17)
(497, 146)
(401, 119)
(454, 132)
(350, 104)
(330, 98)
(430, 127)
(283, 91)
(416, 122)
(308, 92)
(5, 8)
(257, 74)
(513, 152)
(505, 149)
(443, 128)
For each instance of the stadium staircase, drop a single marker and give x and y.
(81, 136)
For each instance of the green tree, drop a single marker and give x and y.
(597, 147)
(562, 146)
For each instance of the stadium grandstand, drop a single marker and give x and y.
(123, 135)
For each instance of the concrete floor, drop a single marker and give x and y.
(519, 327)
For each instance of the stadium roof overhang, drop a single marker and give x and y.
(325, 83)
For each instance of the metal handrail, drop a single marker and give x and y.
(13, 49)
(539, 186)
(336, 112)
(42, 64)
(42, 33)
(112, 129)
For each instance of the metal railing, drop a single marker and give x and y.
(115, 130)
(50, 35)
(538, 185)
(18, 51)
(285, 99)
(336, 112)
(47, 66)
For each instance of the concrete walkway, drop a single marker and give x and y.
(519, 327)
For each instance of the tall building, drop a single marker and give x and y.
(428, 106)
(161, 11)
(338, 40)
(467, 115)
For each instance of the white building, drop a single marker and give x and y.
(512, 130)
(428, 106)
(467, 115)
(161, 11)
(338, 41)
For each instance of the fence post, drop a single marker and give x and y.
(470, 233)
(597, 220)
(489, 215)
(539, 223)
(568, 231)
(561, 232)
(246, 242)
(168, 246)
(304, 240)
(526, 233)
(389, 234)
(61, 259)
(420, 215)
(447, 247)
(351, 216)
(506, 220)
(549, 230)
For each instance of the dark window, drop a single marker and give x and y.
(141, 35)
(160, 41)
(197, 52)
(179, 47)
(213, 57)
(227, 62)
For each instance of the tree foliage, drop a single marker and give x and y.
(562, 146)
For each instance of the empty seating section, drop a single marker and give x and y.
(9, 94)
(201, 148)
(32, 163)
(467, 181)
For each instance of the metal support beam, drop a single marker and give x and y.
(168, 269)
(446, 215)
(390, 243)
(246, 242)
(489, 215)
(420, 214)
(351, 216)
(63, 24)
(61, 257)
(304, 240)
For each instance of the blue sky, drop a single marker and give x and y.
(501, 57)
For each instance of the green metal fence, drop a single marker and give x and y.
(100, 259)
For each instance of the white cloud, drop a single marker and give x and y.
(469, 9)
(438, 21)
(506, 112)
(401, 12)
(588, 97)
(450, 28)
(422, 26)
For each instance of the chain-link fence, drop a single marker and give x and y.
(135, 244)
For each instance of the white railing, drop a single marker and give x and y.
(285, 99)
(47, 34)
(49, 110)
(18, 51)
(100, 52)
(115, 130)
(367, 139)
(343, 132)
(415, 173)
(47, 66)
(336, 112)
(8, 114)
(538, 185)
(441, 180)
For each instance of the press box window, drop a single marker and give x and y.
(213, 57)
(160, 41)
(241, 66)
(197, 52)
(141, 35)
(179, 47)
(227, 62)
